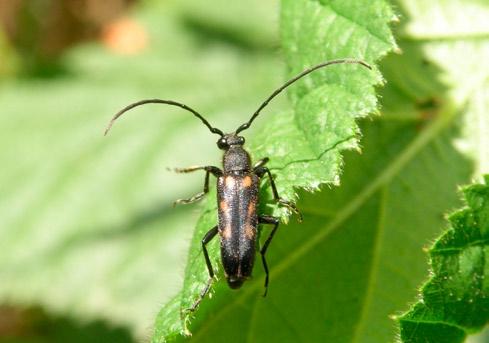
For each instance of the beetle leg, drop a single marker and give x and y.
(207, 238)
(261, 163)
(260, 171)
(264, 219)
(208, 170)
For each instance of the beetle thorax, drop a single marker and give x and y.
(236, 159)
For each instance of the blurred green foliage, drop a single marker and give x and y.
(87, 227)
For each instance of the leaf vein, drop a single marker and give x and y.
(434, 322)
(447, 251)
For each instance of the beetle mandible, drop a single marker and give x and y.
(237, 194)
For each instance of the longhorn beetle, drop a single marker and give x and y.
(237, 194)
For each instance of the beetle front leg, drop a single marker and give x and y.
(260, 163)
(260, 171)
(264, 219)
(208, 170)
(207, 238)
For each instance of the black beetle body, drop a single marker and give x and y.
(237, 195)
(237, 199)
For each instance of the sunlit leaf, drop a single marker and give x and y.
(455, 301)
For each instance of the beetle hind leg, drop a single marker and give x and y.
(207, 238)
(265, 219)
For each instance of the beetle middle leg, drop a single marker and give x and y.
(265, 219)
(208, 170)
(260, 170)
(207, 238)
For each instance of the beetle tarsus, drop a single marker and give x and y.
(291, 206)
(202, 295)
(195, 198)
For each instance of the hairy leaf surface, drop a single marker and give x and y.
(455, 301)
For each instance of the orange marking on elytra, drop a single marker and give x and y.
(226, 233)
(223, 205)
(229, 181)
(249, 231)
(246, 182)
(251, 208)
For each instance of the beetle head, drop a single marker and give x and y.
(229, 140)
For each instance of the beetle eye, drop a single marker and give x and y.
(241, 140)
(222, 143)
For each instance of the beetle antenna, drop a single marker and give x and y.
(166, 102)
(294, 79)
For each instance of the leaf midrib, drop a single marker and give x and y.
(372, 275)
(443, 119)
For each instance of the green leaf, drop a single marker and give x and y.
(456, 48)
(356, 258)
(303, 145)
(455, 301)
